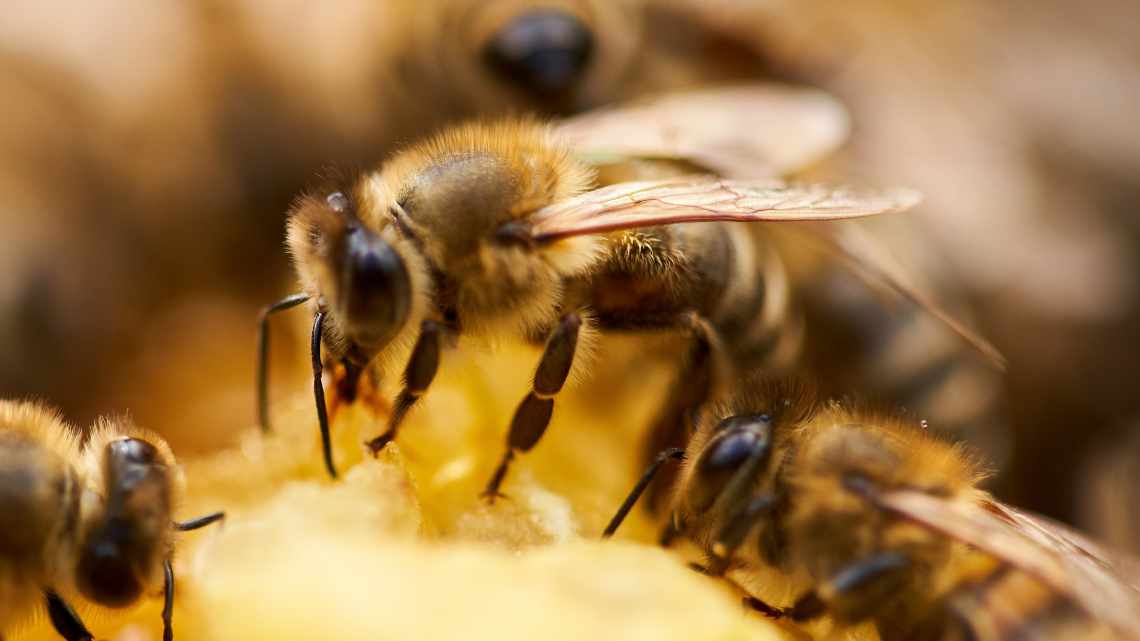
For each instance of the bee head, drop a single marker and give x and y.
(543, 50)
(123, 548)
(362, 276)
(737, 441)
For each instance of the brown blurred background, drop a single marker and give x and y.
(148, 153)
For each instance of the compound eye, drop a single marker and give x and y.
(738, 438)
(133, 451)
(543, 51)
(337, 202)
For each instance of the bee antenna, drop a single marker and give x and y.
(200, 522)
(639, 489)
(168, 601)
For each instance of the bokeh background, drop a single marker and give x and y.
(149, 151)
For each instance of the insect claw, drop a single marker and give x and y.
(377, 445)
(753, 603)
(491, 495)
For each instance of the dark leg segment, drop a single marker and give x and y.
(669, 533)
(65, 621)
(200, 522)
(533, 414)
(646, 478)
(695, 384)
(856, 591)
(763, 608)
(319, 391)
(288, 302)
(418, 375)
(732, 535)
(168, 601)
(346, 387)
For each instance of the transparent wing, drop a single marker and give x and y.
(1105, 584)
(702, 198)
(748, 130)
(874, 262)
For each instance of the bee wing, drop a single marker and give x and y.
(1105, 584)
(748, 130)
(873, 262)
(703, 198)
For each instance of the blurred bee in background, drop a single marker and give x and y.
(824, 508)
(484, 230)
(1031, 218)
(92, 522)
(111, 170)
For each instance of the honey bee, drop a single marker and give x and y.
(491, 229)
(868, 517)
(91, 521)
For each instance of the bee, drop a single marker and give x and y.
(493, 229)
(92, 521)
(868, 517)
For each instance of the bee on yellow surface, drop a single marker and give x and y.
(821, 508)
(91, 522)
(499, 229)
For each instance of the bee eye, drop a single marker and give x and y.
(740, 441)
(738, 438)
(337, 202)
(542, 51)
(731, 450)
(133, 451)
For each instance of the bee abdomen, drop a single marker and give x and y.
(757, 316)
(1010, 605)
(38, 505)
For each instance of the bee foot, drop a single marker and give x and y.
(491, 495)
(753, 603)
(377, 445)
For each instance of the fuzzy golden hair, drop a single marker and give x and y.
(545, 167)
(42, 424)
(465, 182)
(38, 448)
(891, 450)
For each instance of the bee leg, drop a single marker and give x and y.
(732, 535)
(65, 621)
(856, 591)
(533, 415)
(288, 302)
(749, 601)
(167, 601)
(346, 387)
(642, 483)
(705, 371)
(418, 375)
(761, 606)
(319, 391)
(669, 533)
